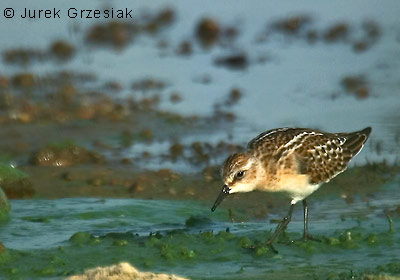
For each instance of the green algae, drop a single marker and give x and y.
(10, 173)
(4, 254)
(244, 242)
(393, 267)
(12, 181)
(61, 145)
(81, 238)
(5, 207)
(120, 243)
(196, 243)
(179, 249)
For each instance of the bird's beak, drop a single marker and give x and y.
(224, 193)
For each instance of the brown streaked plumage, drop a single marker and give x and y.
(291, 160)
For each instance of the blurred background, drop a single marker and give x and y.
(113, 131)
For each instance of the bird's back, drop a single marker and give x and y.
(319, 155)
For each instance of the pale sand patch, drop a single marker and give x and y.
(122, 271)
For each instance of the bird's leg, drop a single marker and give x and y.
(306, 235)
(281, 226)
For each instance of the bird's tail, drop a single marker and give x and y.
(355, 141)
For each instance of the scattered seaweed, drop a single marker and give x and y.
(182, 249)
(119, 34)
(337, 32)
(237, 61)
(302, 27)
(24, 80)
(292, 25)
(22, 56)
(65, 154)
(113, 33)
(357, 85)
(148, 84)
(62, 50)
(208, 31)
(15, 183)
(185, 48)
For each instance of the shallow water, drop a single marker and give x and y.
(360, 229)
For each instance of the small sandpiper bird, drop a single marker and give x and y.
(296, 161)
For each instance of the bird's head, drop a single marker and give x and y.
(239, 174)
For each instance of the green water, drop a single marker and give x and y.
(57, 238)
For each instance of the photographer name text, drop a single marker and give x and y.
(70, 13)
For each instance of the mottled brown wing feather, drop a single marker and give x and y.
(324, 156)
(268, 143)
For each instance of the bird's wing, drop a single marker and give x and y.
(326, 155)
(320, 155)
(278, 142)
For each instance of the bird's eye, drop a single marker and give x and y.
(240, 174)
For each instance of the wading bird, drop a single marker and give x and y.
(296, 161)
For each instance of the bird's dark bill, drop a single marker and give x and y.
(224, 193)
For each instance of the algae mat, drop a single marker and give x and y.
(57, 238)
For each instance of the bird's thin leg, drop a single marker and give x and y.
(281, 226)
(305, 208)
(306, 235)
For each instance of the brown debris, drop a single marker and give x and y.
(356, 85)
(146, 135)
(149, 103)
(6, 101)
(68, 93)
(362, 92)
(176, 150)
(120, 33)
(114, 33)
(156, 22)
(4, 82)
(22, 56)
(372, 33)
(185, 48)
(372, 29)
(292, 25)
(167, 175)
(148, 84)
(312, 36)
(235, 62)
(24, 80)
(360, 46)
(175, 97)
(62, 50)
(65, 155)
(113, 86)
(234, 96)
(165, 16)
(337, 32)
(207, 31)
(18, 189)
(230, 33)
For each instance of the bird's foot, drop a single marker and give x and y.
(309, 237)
